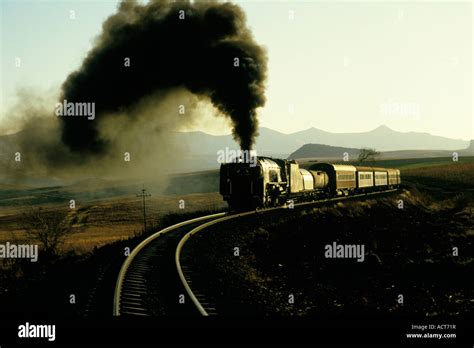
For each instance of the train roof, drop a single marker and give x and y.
(371, 168)
(364, 168)
(335, 167)
(267, 162)
(368, 168)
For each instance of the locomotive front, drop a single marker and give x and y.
(240, 185)
(246, 186)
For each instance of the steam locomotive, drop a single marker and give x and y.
(269, 182)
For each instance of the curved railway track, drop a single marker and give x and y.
(154, 255)
(153, 259)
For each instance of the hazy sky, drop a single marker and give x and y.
(337, 66)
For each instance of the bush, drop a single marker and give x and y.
(49, 228)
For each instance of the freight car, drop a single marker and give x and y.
(269, 182)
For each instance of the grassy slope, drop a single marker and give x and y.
(409, 252)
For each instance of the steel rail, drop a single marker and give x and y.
(139, 247)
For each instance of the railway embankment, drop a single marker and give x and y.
(418, 258)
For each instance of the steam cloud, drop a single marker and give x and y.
(167, 52)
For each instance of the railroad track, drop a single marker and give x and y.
(150, 265)
(150, 283)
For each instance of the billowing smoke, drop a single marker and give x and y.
(153, 49)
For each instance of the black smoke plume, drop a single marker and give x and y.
(197, 53)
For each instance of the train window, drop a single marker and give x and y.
(343, 177)
(273, 176)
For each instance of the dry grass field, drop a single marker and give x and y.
(100, 222)
(450, 176)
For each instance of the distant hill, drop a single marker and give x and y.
(471, 146)
(323, 151)
(319, 151)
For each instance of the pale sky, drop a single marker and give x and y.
(336, 66)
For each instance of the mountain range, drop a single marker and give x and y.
(274, 143)
(202, 148)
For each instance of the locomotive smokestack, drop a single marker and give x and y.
(150, 50)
